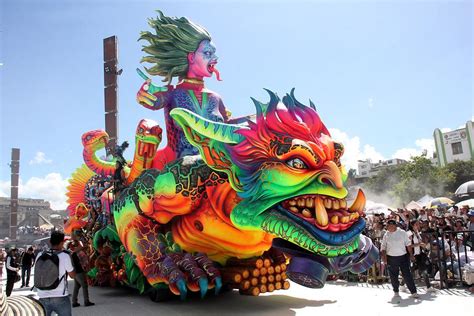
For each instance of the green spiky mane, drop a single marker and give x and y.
(169, 46)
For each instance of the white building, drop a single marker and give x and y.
(454, 145)
(367, 169)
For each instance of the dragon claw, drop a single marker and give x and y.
(203, 283)
(183, 290)
(218, 285)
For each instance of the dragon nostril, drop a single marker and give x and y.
(327, 181)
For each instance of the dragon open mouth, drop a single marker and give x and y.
(326, 213)
(317, 223)
(145, 149)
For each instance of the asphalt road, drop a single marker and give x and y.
(336, 298)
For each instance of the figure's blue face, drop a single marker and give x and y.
(203, 60)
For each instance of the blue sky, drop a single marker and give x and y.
(383, 74)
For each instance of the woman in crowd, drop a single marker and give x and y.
(421, 263)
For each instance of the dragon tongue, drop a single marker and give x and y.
(320, 211)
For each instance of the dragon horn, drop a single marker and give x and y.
(222, 132)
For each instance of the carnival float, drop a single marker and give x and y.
(244, 203)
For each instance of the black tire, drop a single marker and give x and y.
(161, 295)
(307, 272)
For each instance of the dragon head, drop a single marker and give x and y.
(95, 140)
(147, 139)
(286, 168)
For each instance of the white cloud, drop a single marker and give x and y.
(371, 102)
(423, 144)
(352, 149)
(4, 187)
(406, 153)
(51, 188)
(40, 158)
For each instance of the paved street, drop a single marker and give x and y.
(338, 298)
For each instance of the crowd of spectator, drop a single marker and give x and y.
(34, 230)
(444, 235)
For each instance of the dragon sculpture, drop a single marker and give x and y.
(277, 181)
(147, 139)
(244, 203)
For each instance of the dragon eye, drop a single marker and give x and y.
(297, 163)
(141, 130)
(88, 137)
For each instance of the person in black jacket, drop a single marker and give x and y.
(27, 261)
(12, 270)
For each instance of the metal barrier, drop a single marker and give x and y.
(447, 252)
(450, 249)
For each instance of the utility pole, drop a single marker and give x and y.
(111, 72)
(15, 172)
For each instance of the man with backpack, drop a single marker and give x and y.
(51, 269)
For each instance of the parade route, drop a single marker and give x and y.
(336, 298)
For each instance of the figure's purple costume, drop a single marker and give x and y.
(191, 95)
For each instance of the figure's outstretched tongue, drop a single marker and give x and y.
(214, 70)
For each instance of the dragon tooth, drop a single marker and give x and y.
(335, 219)
(140, 148)
(301, 202)
(359, 203)
(320, 211)
(343, 204)
(335, 205)
(327, 203)
(294, 209)
(309, 202)
(345, 219)
(292, 202)
(150, 150)
(306, 213)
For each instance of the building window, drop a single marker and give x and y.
(457, 148)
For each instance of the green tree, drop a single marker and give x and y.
(384, 181)
(463, 171)
(420, 177)
(351, 177)
(412, 180)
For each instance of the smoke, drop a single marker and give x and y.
(395, 187)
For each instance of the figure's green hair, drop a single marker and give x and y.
(169, 47)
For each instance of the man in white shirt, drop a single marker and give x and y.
(57, 299)
(395, 244)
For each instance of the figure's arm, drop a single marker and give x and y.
(150, 96)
